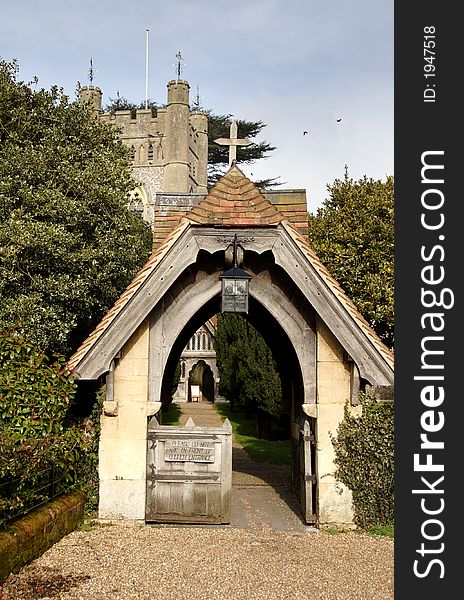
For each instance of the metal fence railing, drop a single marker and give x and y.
(19, 496)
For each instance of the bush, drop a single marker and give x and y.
(35, 432)
(35, 392)
(364, 450)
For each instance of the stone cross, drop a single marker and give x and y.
(233, 141)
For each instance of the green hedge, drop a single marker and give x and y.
(364, 450)
(36, 393)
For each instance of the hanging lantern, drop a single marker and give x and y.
(235, 284)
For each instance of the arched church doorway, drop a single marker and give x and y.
(207, 384)
(201, 383)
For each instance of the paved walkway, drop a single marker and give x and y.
(261, 492)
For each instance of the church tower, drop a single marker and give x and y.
(91, 95)
(169, 149)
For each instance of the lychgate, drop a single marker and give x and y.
(325, 351)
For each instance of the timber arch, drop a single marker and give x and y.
(183, 282)
(329, 350)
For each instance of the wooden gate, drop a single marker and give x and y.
(189, 473)
(307, 477)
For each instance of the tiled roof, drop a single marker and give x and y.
(233, 191)
(235, 201)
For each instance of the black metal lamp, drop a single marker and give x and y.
(235, 284)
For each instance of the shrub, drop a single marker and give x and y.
(364, 455)
(87, 467)
(35, 392)
(35, 434)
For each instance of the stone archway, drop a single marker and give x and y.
(201, 374)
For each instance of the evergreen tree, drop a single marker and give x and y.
(68, 244)
(247, 370)
(353, 235)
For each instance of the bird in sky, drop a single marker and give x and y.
(338, 120)
(305, 132)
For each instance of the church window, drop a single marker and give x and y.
(132, 153)
(203, 342)
(150, 152)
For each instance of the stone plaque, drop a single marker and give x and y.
(189, 451)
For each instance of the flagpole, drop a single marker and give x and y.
(146, 70)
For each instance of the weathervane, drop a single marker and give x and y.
(233, 141)
(91, 72)
(179, 64)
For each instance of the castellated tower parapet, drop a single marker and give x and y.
(169, 154)
(169, 150)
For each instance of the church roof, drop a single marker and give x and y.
(234, 201)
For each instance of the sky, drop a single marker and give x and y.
(296, 65)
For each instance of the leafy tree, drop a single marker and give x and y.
(68, 244)
(248, 374)
(353, 234)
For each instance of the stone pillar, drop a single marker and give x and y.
(199, 121)
(333, 391)
(177, 129)
(123, 436)
(91, 95)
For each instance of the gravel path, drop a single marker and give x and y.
(129, 562)
(266, 553)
